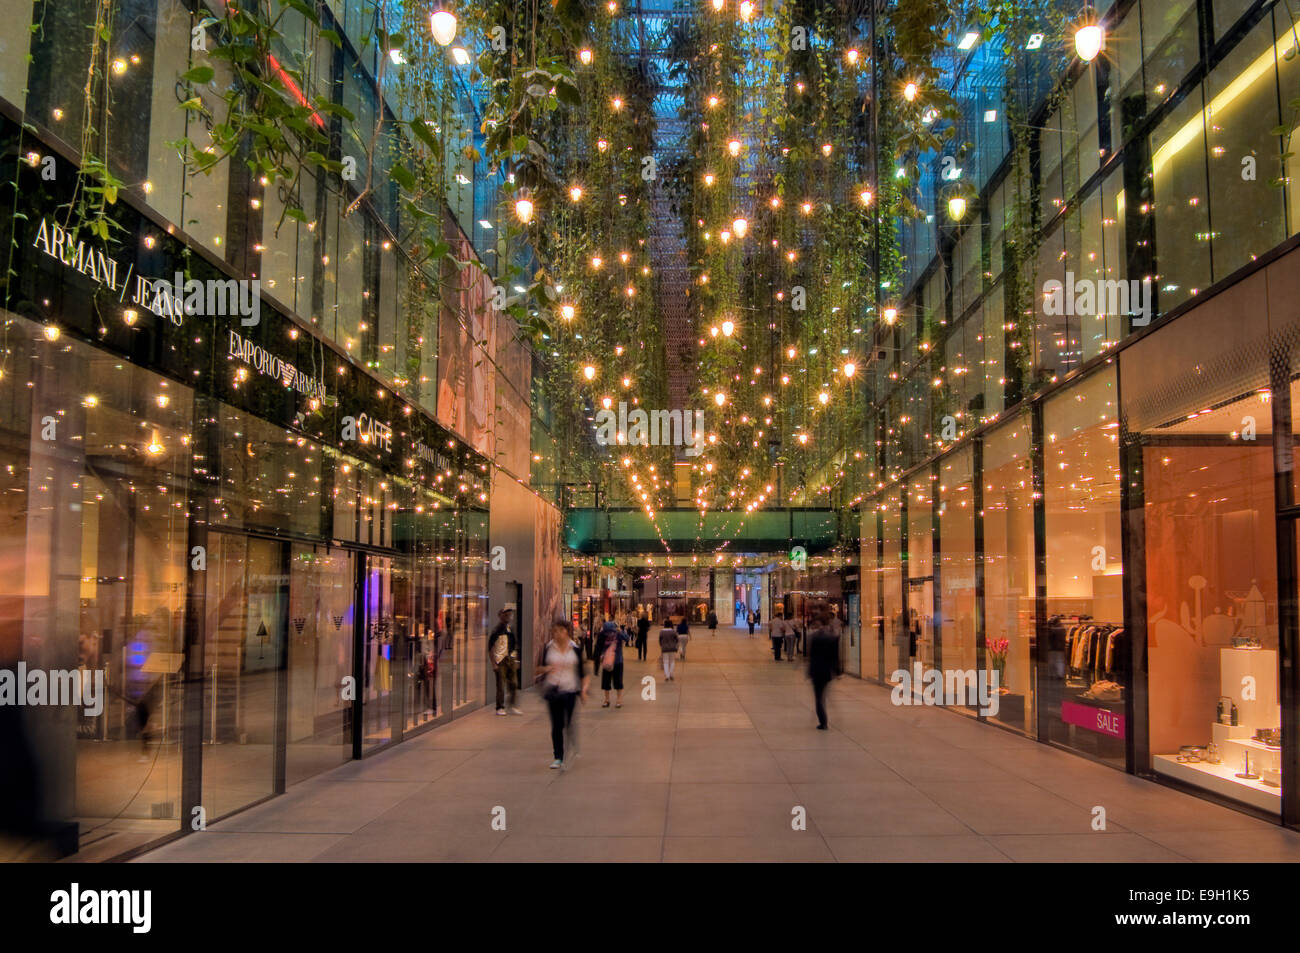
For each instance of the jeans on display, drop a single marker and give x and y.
(670, 663)
(506, 683)
(560, 705)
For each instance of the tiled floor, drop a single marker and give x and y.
(718, 767)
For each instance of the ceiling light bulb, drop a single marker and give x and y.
(708, 178)
(568, 311)
(890, 315)
(850, 369)
(602, 144)
(719, 4)
(740, 226)
(827, 149)
(575, 193)
(584, 57)
(719, 398)
(746, 10)
(957, 208)
(728, 328)
(443, 25)
(616, 103)
(851, 56)
(866, 196)
(910, 91)
(733, 146)
(524, 210)
(596, 261)
(589, 372)
(459, 54)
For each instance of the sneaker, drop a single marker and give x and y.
(501, 711)
(557, 763)
(516, 711)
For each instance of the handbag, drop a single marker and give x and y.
(608, 657)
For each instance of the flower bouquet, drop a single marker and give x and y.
(996, 650)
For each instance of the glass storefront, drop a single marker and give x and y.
(1123, 552)
(241, 619)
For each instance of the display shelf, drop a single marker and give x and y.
(1221, 779)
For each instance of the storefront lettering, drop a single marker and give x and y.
(271, 365)
(61, 245)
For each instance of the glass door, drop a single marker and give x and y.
(377, 655)
(243, 658)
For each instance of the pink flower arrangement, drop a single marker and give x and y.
(997, 651)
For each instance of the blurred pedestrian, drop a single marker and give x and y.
(713, 622)
(609, 653)
(564, 680)
(668, 649)
(751, 620)
(823, 657)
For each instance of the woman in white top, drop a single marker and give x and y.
(564, 681)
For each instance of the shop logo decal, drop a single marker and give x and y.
(272, 365)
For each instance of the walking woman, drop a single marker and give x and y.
(564, 681)
(683, 636)
(668, 649)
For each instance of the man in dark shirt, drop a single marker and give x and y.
(823, 657)
(642, 636)
(503, 655)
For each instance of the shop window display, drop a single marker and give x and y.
(93, 493)
(1086, 644)
(898, 645)
(1009, 581)
(1210, 551)
(956, 561)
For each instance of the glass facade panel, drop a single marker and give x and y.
(957, 561)
(93, 494)
(870, 591)
(1242, 111)
(1209, 525)
(247, 610)
(1009, 576)
(1179, 205)
(1086, 648)
(322, 586)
